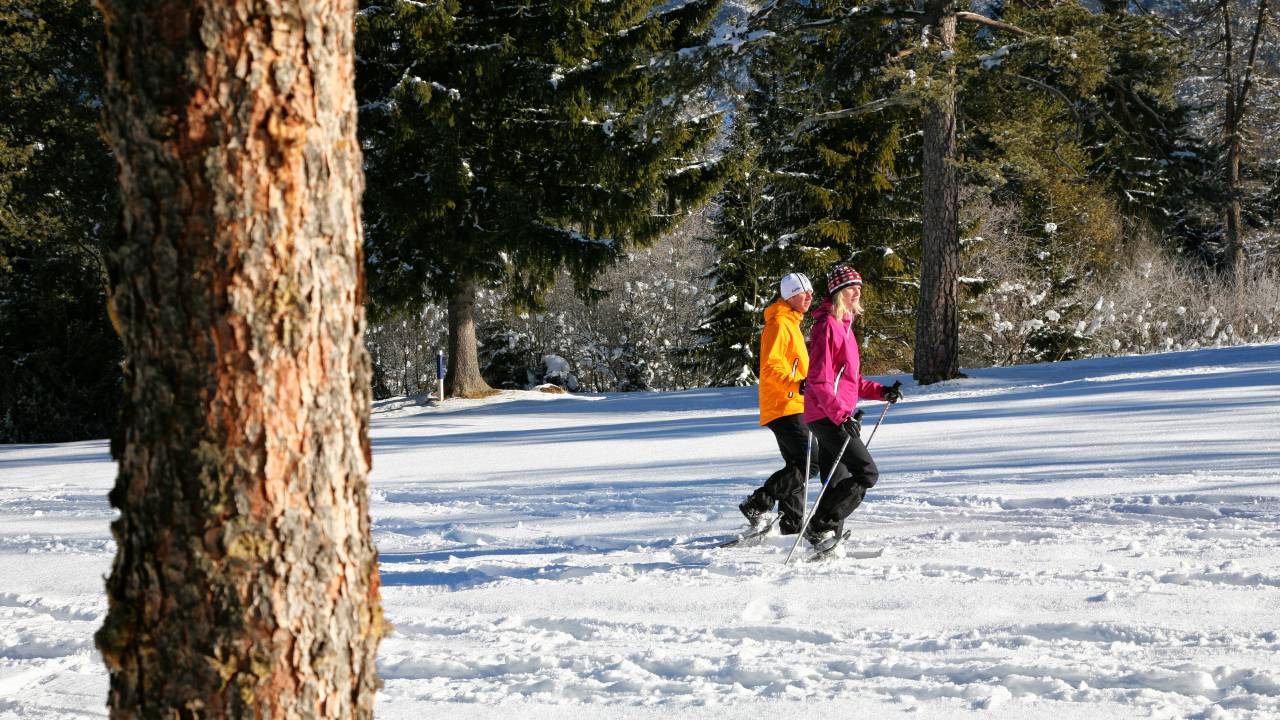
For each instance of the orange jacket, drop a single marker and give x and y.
(784, 362)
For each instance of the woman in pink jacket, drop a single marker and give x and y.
(832, 390)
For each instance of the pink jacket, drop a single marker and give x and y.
(835, 383)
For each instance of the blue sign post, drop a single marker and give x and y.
(440, 375)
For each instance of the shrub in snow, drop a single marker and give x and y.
(1150, 302)
(506, 353)
(638, 335)
(1163, 303)
(403, 349)
(555, 371)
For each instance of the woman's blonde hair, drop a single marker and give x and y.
(840, 310)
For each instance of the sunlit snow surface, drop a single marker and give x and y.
(1098, 539)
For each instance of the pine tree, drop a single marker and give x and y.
(1100, 87)
(59, 357)
(841, 176)
(937, 348)
(1099, 146)
(923, 55)
(507, 141)
(746, 270)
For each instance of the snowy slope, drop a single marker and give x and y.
(1095, 539)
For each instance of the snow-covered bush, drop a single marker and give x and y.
(555, 370)
(1152, 301)
(1022, 289)
(1157, 303)
(639, 334)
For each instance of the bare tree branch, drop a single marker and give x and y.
(1253, 51)
(997, 24)
(1137, 100)
(864, 109)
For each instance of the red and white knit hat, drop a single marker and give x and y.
(841, 276)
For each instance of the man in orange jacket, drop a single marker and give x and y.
(784, 362)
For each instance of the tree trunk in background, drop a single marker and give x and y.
(1233, 239)
(937, 350)
(245, 582)
(462, 377)
(1239, 85)
(1234, 262)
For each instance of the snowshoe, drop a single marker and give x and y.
(754, 536)
(827, 546)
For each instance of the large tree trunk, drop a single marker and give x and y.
(462, 378)
(245, 582)
(937, 350)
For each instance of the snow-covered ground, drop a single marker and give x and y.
(1097, 539)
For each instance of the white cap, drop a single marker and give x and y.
(794, 284)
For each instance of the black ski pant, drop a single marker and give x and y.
(849, 483)
(786, 486)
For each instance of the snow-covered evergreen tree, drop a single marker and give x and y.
(811, 189)
(748, 264)
(506, 142)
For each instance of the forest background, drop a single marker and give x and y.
(607, 224)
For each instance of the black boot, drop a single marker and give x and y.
(752, 511)
(816, 535)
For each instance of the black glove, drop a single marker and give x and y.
(853, 424)
(801, 387)
(893, 394)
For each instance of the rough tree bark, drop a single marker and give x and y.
(245, 581)
(462, 377)
(937, 349)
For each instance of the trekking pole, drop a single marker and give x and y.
(809, 515)
(885, 411)
(808, 449)
(804, 482)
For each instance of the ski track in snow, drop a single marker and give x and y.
(1091, 539)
